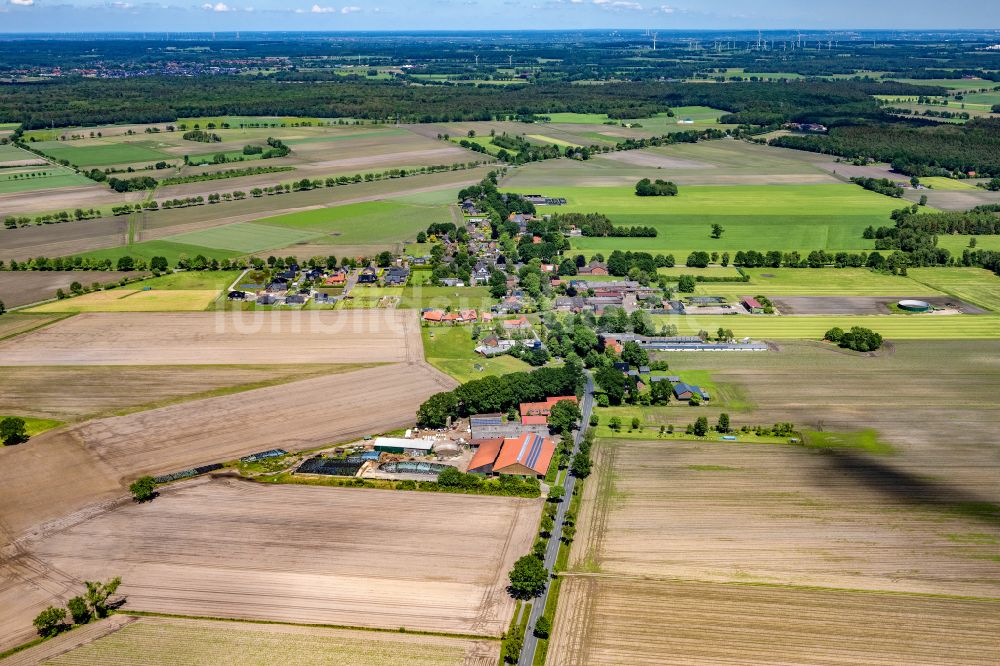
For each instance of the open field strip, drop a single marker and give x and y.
(243, 237)
(49, 177)
(975, 285)
(12, 324)
(815, 282)
(684, 624)
(362, 223)
(134, 300)
(939, 183)
(231, 337)
(146, 640)
(103, 154)
(75, 393)
(812, 327)
(555, 142)
(22, 287)
(443, 569)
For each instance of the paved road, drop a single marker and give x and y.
(538, 606)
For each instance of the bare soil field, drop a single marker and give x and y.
(65, 470)
(61, 198)
(861, 305)
(780, 514)
(227, 548)
(632, 621)
(127, 639)
(218, 338)
(59, 240)
(71, 393)
(954, 199)
(294, 416)
(938, 402)
(23, 287)
(648, 159)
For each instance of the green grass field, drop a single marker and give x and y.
(197, 280)
(760, 217)
(161, 248)
(9, 153)
(892, 327)
(450, 350)
(245, 237)
(554, 142)
(975, 285)
(709, 272)
(35, 426)
(661, 123)
(103, 154)
(419, 296)
(46, 178)
(822, 282)
(364, 223)
(956, 244)
(939, 183)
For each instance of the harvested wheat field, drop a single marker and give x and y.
(153, 640)
(75, 392)
(64, 470)
(712, 552)
(23, 287)
(937, 402)
(304, 554)
(224, 337)
(293, 416)
(781, 514)
(631, 621)
(134, 300)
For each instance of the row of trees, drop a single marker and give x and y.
(94, 603)
(498, 394)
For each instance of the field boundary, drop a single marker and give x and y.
(782, 586)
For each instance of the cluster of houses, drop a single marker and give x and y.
(677, 343)
(596, 295)
(512, 332)
(469, 316)
(284, 288)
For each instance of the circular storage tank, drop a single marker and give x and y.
(447, 449)
(914, 306)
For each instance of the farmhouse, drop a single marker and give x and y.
(684, 391)
(482, 432)
(537, 413)
(526, 455)
(593, 268)
(409, 447)
(336, 279)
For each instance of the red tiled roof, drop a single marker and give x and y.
(542, 408)
(534, 419)
(751, 302)
(433, 315)
(486, 453)
(529, 450)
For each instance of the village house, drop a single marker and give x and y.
(593, 268)
(527, 455)
(368, 276)
(519, 324)
(752, 305)
(395, 276)
(685, 391)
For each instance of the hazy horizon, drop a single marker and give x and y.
(176, 16)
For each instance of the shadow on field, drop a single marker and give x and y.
(902, 486)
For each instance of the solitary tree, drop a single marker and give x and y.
(143, 489)
(615, 423)
(98, 594)
(512, 649)
(13, 430)
(543, 627)
(717, 230)
(50, 621)
(581, 466)
(701, 426)
(528, 577)
(3, 308)
(723, 423)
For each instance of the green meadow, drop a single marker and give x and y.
(450, 349)
(892, 327)
(103, 154)
(40, 179)
(759, 217)
(244, 237)
(975, 285)
(821, 282)
(363, 223)
(161, 248)
(189, 280)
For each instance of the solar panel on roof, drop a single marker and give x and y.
(535, 452)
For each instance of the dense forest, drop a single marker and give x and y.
(68, 102)
(916, 151)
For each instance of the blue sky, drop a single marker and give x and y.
(207, 15)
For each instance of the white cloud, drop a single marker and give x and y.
(350, 10)
(666, 9)
(122, 5)
(22, 3)
(316, 9)
(618, 4)
(217, 7)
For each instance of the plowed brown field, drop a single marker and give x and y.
(302, 554)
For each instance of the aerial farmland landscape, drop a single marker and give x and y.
(584, 333)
